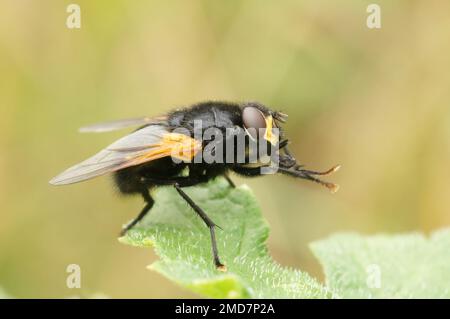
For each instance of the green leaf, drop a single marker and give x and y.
(182, 242)
(382, 266)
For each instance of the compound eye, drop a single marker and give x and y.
(253, 119)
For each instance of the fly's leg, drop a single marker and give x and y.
(149, 204)
(247, 171)
(183, 181)
(227, 177)
(211, 225)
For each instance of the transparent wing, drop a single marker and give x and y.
(147, 144)
(120, 124)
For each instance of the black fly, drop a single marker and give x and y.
(159, 152)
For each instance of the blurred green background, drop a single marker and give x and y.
(375, 101)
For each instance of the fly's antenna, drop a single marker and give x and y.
(297, 171)
(280, 117)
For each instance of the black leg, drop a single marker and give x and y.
(227, 177)
(184, 181)
(247, 171)
(283, 144)
(286, 160)
(149, 203)
(309, 175)
(211, 225)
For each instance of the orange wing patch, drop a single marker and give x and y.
(176, 145)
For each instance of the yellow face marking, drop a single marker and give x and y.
(269, 136)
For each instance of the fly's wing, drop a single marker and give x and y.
(120, 124)
(147, 144)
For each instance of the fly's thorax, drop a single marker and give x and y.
(221, 131)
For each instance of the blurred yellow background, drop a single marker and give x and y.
(375, 101)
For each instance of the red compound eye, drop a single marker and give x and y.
(253, 119)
